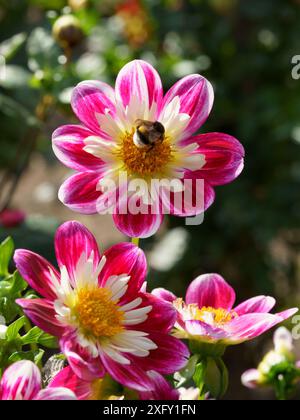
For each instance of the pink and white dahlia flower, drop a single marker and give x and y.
(22, 381)
(99, 309)
(207, 315)
(136, 130)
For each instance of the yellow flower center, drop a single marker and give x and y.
(98, 315)
(216, 316)
(145, 162)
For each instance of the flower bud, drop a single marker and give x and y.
(78, 4)
(67, 31)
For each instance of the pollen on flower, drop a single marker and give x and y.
(145, 162)
(216, 316)
(98, 315)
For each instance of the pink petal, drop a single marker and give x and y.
(197, 197)
(68, 144)
(211, 290)
(250, 378)
(288, 313)
(72, 239)
(67, 378)
(259, 304)
(170, 356)
(196, 99)
(131, 376)
(125, 258)
(56, 394)
(81, 362)
(90, 98)
(81, 193)
(21, 381)
(141, 225)
(164, 294)
(37, 272)
(161, 318)
(224, 157)
(138, 78)
(162, 389)
(41, 312)
(251, 326)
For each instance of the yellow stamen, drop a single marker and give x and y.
(145, 162)
(98, 315)
(218, 316)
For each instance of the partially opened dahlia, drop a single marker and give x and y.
(208, 314)
(136, 130)
(22, 381)
(99, 309)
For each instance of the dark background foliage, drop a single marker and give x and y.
(251, 234)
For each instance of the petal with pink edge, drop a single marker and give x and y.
(139, 79)
(66, 378)
(162, 316)
(68, 144)
(81, 362)
(196, 99)
(21, 381)
(259, 304)
(143, 224)
(90, 98)
(42, 313)
(125, 258)
(164, 294)
(131, 376)
(197, 197)
(170, 356)
(251, 378)
(224, 157)
(211, 290)
(251, 326)
(81, 192)
(59, 394)
(162, 389)
(37, 272)
(206, 332)
(72, 239)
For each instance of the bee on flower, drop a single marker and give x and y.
(136, 130)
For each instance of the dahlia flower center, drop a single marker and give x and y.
(98, 315)
(145, 161)
(213, 316)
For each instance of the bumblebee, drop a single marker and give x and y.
(148, 133)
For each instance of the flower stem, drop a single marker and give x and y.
(135, 241)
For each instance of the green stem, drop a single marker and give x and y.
(135, 241)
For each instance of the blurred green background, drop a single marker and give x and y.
(251, 235)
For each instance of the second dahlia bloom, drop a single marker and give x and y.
(136, 130)
(22, 381)
(208, 314)
(98, 307)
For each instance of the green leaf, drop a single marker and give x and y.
(14, 328)
(199, 375)
(32, 336)
(48, 341)
(6, 252)
(10, 47)
(38, 355)
(187, 372)
(18, 284)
